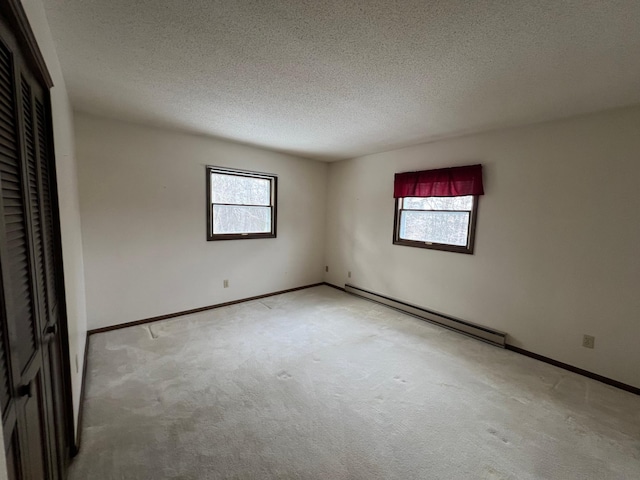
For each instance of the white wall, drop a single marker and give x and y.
(143, 207)
(557, 240)
(68, 197)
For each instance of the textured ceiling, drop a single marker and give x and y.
(339, 78)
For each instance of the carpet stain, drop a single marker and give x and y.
(151, 334)
(521, 400)
(284, 375)
(447, 385)
(490, 473)
(495, 433)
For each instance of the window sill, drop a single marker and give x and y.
(435, 246)
(240, 236)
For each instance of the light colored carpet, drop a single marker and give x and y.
(319, 384)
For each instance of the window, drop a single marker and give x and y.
(442, 223)
(240, 204)
(437, 209)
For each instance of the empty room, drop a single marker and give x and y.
(341, 239)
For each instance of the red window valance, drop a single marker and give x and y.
(443, 182)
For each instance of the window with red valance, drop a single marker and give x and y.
(437, 209)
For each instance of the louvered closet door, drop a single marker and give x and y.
(39, 179)
(28, 430)
(8, 175)
(30, 366)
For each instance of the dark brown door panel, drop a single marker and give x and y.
(35, 391)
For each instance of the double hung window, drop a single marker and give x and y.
(437, 209)
(240, 204)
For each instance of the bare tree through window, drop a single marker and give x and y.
(242, 204)
(444, 223)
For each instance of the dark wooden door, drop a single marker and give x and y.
(39, 181)
(8, 169)
(32, 394)
(25, 356)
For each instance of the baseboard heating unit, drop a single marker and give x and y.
(485, 334)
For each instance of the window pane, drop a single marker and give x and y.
(450, 228)
(240, 190)
(233, 219)
(439, 203)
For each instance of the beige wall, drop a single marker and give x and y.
(557, 239)
(68, 196)
(143, 209)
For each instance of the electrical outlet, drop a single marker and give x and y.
(326, 269)
(77, 365)
(588, 341)
(349, 274)
(225, 283)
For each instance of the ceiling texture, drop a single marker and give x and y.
(333, 79)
